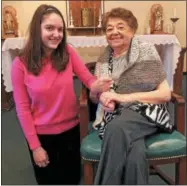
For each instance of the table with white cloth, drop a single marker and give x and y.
(168, 46)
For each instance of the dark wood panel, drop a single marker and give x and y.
(179, 72)
(6, 97)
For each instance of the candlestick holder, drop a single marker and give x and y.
(100, 20)
(71, 22)
(174, 20)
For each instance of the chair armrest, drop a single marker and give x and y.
(179, 119)
(176, 98)
(83, 113)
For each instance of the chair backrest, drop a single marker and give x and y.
(177, 82)
(92, 107)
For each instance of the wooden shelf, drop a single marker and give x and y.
(83, 28)
(84, 31)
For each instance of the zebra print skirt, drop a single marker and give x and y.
(155, 113)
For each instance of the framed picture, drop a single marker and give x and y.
(84, 13)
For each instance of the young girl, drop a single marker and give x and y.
(46, 105)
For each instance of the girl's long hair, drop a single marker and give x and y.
(33, 53)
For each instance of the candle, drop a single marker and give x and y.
(174, 13)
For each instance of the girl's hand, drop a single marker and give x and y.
(40, 157)
(101, 85)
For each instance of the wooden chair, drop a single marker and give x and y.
(162, 148)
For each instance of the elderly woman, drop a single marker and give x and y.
(135, 106)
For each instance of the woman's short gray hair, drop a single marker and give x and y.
(123, 14)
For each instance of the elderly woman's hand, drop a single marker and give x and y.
(110, 107)
(101, 85)
(108, 99)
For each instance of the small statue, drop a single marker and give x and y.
(10, 25)
(158, 19)
(156, 22)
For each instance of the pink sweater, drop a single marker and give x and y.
(46, 104)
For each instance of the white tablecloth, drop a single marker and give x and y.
(168, 45)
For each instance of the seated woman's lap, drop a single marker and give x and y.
(131, 124)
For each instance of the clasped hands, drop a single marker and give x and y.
(108, 99)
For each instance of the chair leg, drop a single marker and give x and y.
(181, 172)
(88, 173)
(156, 171)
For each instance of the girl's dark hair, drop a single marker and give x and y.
(33, 52)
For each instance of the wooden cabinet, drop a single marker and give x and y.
(75, 10)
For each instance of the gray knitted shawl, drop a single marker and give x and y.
(144, 71)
